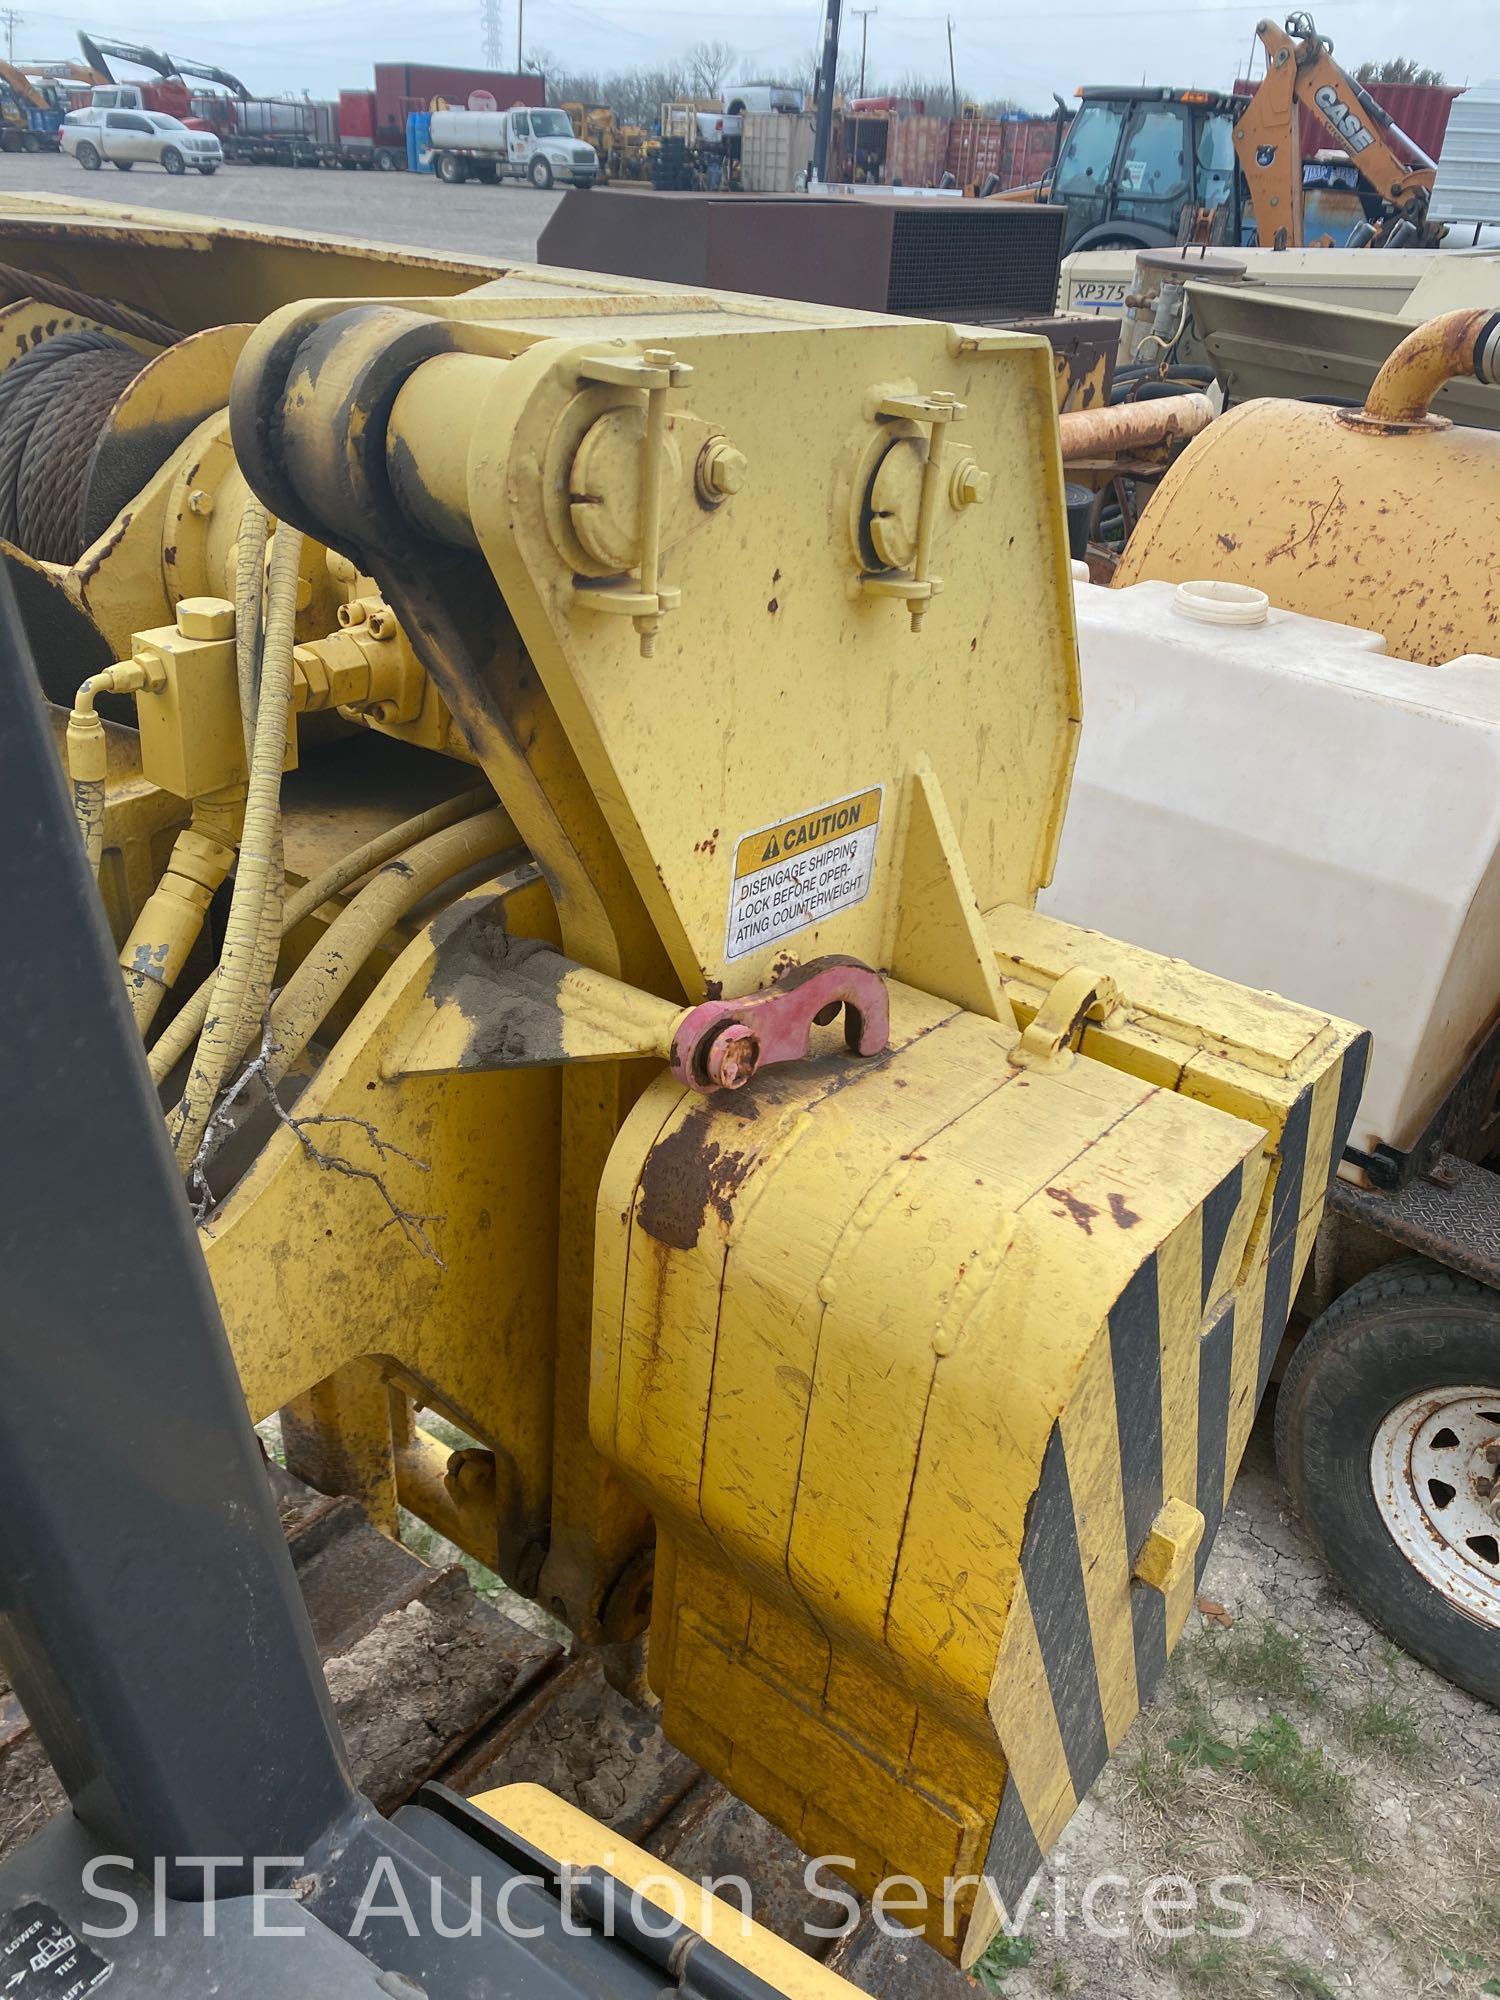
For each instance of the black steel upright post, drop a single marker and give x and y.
(149, 1617)
(828, 70)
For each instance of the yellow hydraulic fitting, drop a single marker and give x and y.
(172, 918)
(192, 737)
(88, 753)
(365, 669)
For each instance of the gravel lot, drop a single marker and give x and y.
(412, 210)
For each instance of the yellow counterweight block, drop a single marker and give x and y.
(934, 1372)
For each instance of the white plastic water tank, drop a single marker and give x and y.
(1283, 804)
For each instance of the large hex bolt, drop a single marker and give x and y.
(732, 1056)
(721, 470)
(970, 484)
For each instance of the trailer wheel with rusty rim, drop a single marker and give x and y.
(1388, 1438)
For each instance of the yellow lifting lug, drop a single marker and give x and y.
(655, 371)
(1079, 995)
(936, 410)
(1166, 1555)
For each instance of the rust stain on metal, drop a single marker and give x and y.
(686, 1175)
(1082, 1212)
(1120, 1211)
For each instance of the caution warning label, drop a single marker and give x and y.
(801, 871)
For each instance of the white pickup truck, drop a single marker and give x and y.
(519, 144)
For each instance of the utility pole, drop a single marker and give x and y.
(952, 73)
(520, 17)
(11, 16)
(828, 70)
(489, 21)
(864, 14)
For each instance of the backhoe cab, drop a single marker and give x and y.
(1142, 166)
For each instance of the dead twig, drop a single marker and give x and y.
(411, 1222)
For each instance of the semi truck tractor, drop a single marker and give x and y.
(524, 143)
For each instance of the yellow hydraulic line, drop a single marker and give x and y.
(224, 1030)
(325, 973)
(172, 916)
(249, 592)
(249, 587)
(182, 1030)
(88, 751)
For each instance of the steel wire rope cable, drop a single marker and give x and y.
(53, 405)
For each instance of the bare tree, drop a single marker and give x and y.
(710, 65)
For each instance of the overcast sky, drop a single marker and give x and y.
(1013, 50)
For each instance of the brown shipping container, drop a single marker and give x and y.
(1017, 150)
(917, 152)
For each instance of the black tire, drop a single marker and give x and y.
(31, 143)
(87, 157)
(385, 160)
(484, 172)
(540, 176)
(451, 170)
(1407, 1329)
(123, 166)
(211, 168)
(173, 161)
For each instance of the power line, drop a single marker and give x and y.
(12, 18)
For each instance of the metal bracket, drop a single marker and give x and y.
(1077, 996)
(937, 411)
(720, 1044)
(656, 371)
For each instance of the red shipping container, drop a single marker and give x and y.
(1016, 150)
(1420, 109)
(405, 87)
(357, 114)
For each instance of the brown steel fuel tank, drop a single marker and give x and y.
(1384, 518)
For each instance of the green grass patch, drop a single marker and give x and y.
(1000, 1958)
(1387, 1727)
(1243, 1969)
(1266, 1661)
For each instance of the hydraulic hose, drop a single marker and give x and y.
(326, 973)
(249, 587)
(182, 1030)
(173, 914)
(88, 752)
(255, 877)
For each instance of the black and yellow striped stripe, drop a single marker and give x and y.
(1085, 1644)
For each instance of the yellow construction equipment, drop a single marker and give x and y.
(631, 1035)
(1302, 77)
